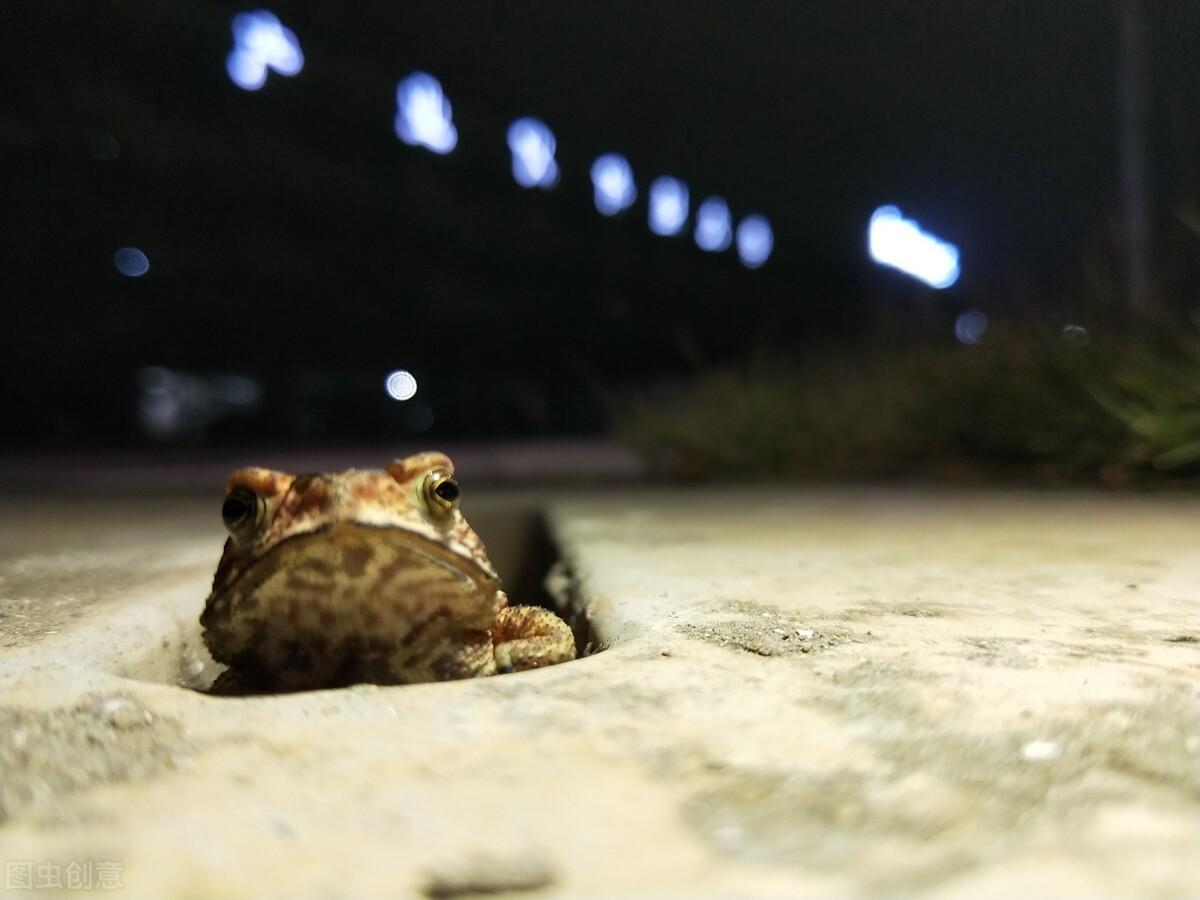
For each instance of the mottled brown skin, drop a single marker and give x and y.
(357, 576)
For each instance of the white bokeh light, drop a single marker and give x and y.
(612, 181)
(668, 206)
(260, 42)
(970, 326)
(755, 241)
(401, 385)
(131, 262)
(900, 243)
(532, 145)
(714, 227)
(423, 114)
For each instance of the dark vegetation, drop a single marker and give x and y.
(1025, 403)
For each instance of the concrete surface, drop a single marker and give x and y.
(833, 693)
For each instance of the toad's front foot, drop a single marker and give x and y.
(530, 637)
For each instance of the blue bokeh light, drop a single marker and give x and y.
(900, 243)
(131, 261)
(755, 241)
(970, 326)
(532, 145)
(423, 114)
(668, 205)
(714, 227)
(246, 70)
(260, 42)
(612, 180)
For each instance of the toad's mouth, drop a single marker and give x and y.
(350, 550)
(352, 578)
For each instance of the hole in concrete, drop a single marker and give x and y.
(533, 560)
(520, 546)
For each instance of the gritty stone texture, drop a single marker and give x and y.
(841, 692)
(48, 756)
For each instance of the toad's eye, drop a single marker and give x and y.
(441, 492)
(242, 512)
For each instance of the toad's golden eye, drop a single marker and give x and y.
(441, 492)
(242, 513)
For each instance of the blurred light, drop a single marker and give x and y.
(236, 390)
(970, 326)
(1075, 335)
(246, 70)
(754, 241)
(532, 145)
(174, 404)
(160, 406)
(154, 380)
(423, 115)
(668, 205)
(418, 417)
(900, 243)
(131, 261)
(261, 42)
(714, 228)
(401, 385)
(612, 180)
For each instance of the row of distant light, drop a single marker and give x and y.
(424, 118)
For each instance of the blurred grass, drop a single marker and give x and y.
(1022, 405)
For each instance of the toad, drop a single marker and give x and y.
(363, 576)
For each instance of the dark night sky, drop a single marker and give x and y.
(288, 230)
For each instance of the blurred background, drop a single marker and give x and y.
(943, 239)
